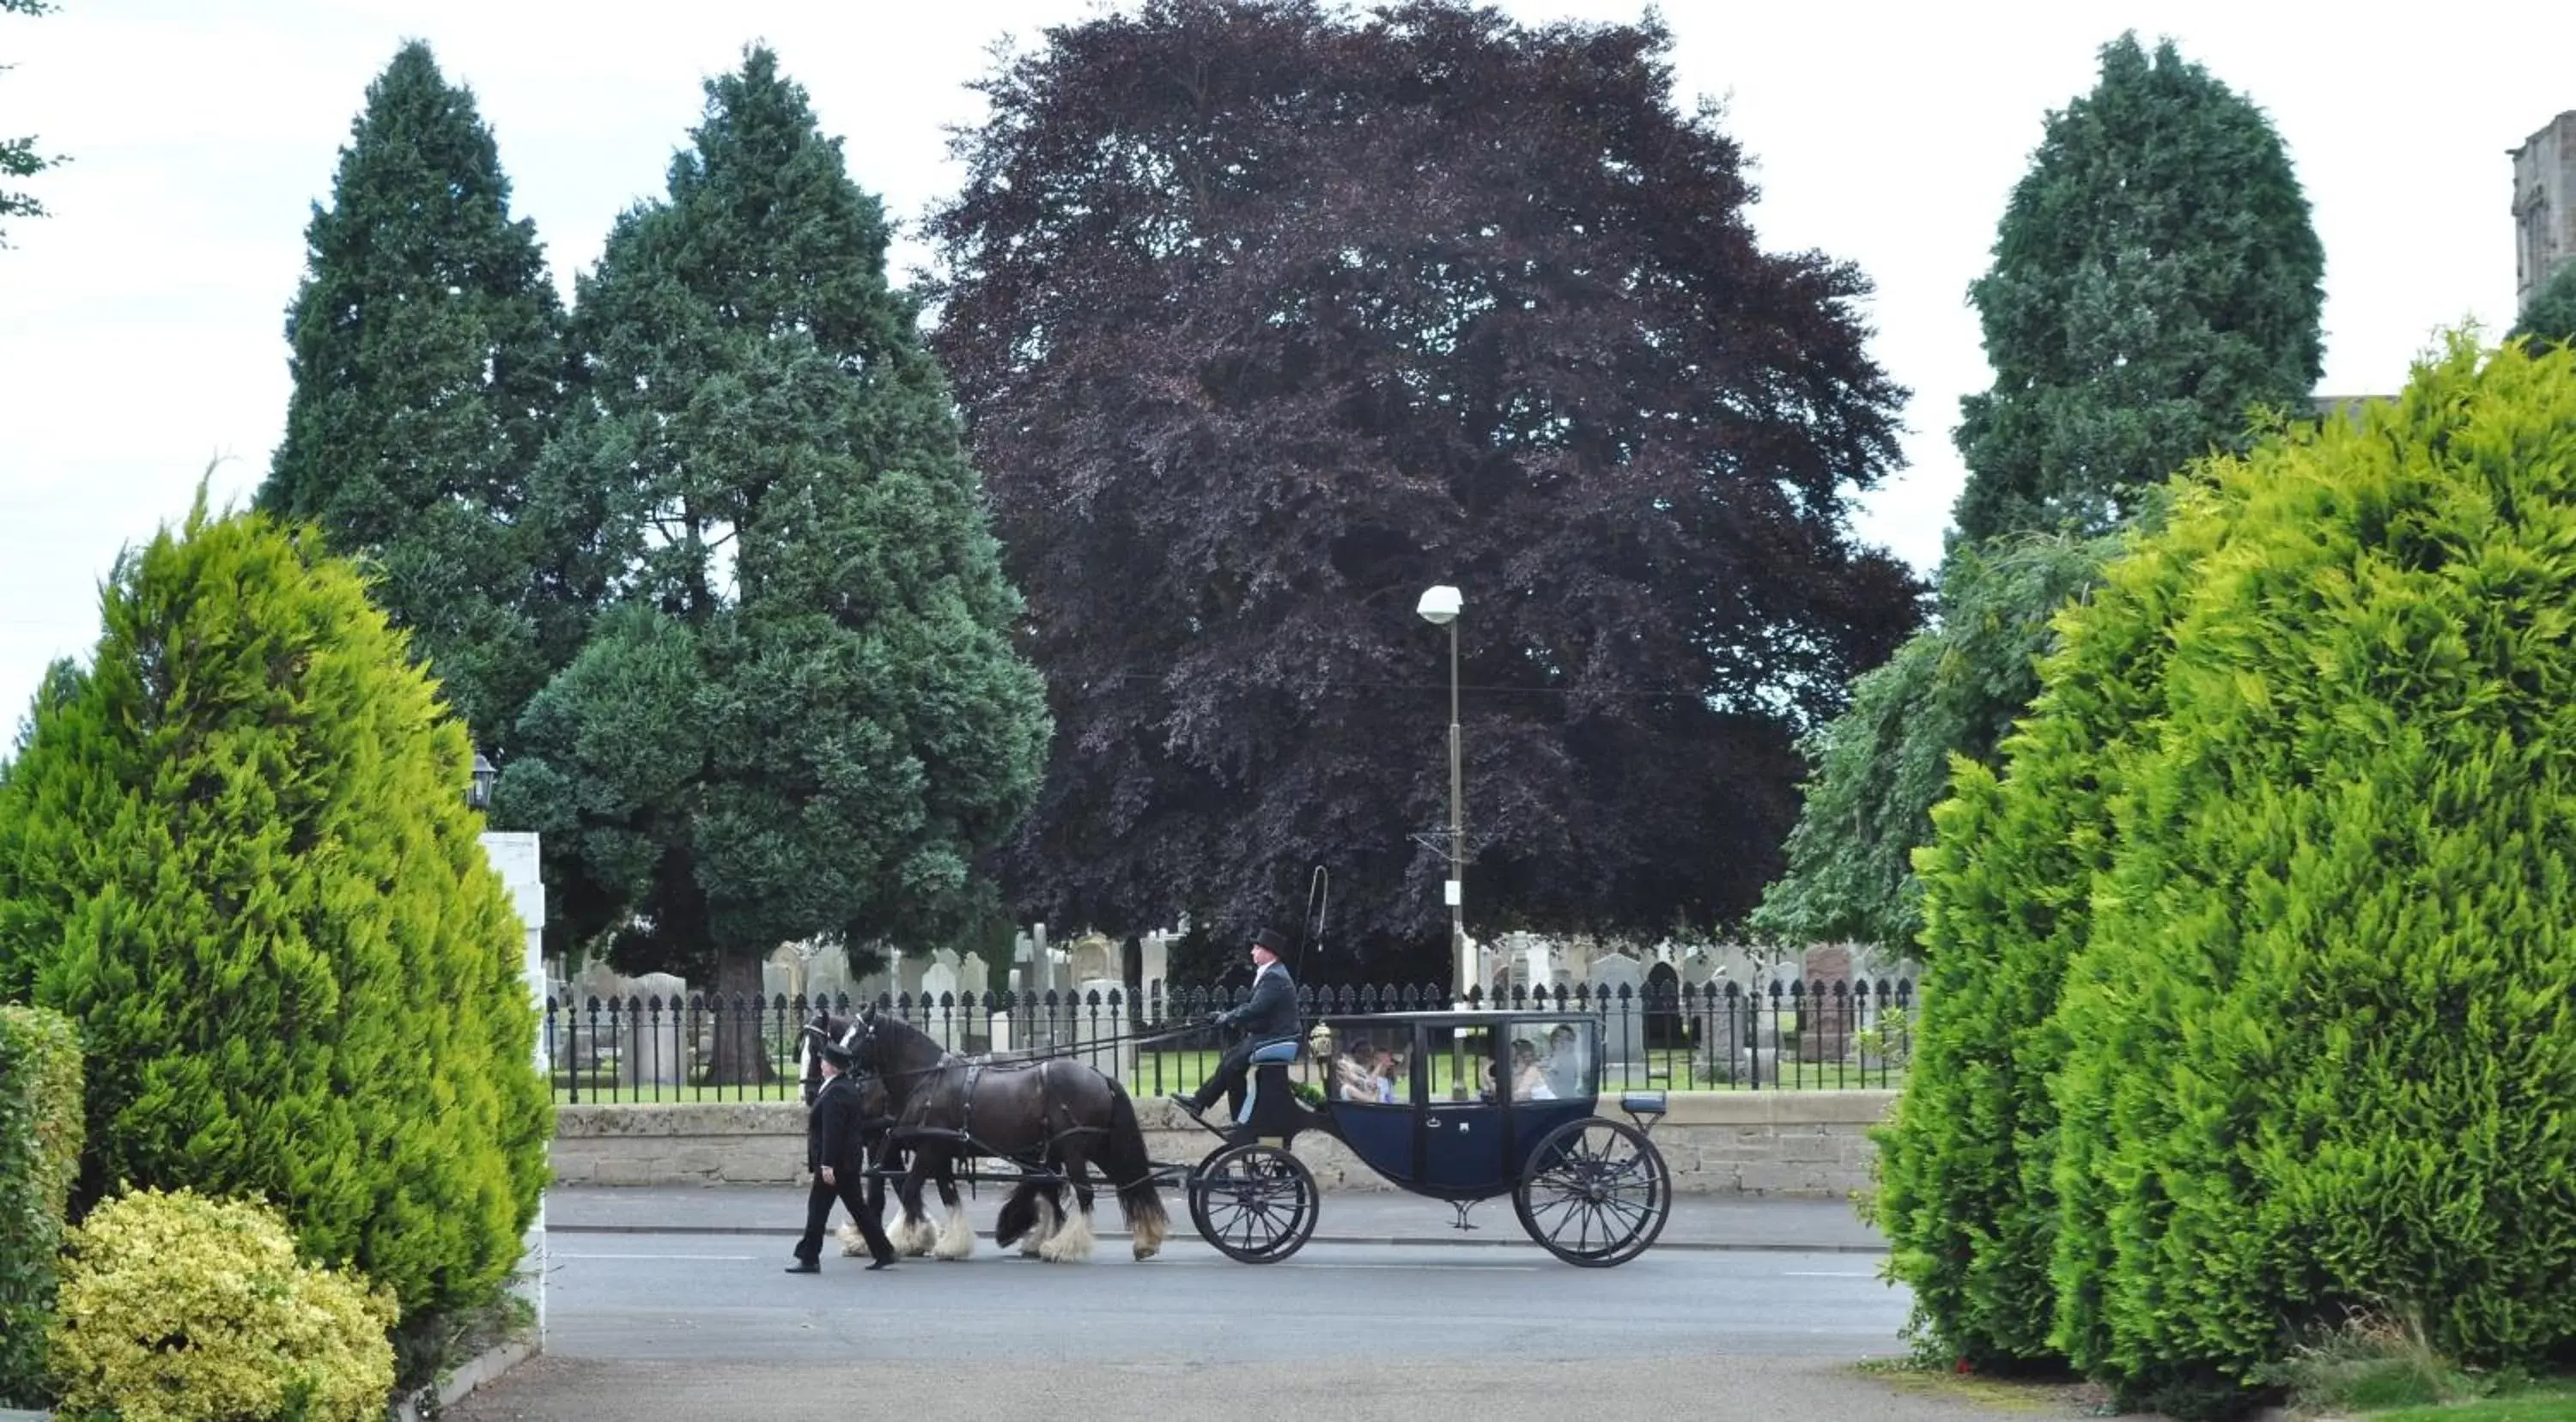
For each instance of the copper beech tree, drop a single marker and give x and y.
(1266, 316)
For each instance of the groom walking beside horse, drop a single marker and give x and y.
(836, 1151)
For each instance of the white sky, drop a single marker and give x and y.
(141, 325)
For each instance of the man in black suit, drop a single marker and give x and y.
(1270, 1015)
(836, 1151)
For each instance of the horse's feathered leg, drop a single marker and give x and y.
(1028, 1217)
(914, 1236)
(1072, 1240)
(956, 1236)
(1131, 1173)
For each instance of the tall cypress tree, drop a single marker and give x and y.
(2155, 280)
(807, 718)
(427, 362)
(236, 850)
(2155, 283)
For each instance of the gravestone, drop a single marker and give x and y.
(1094, 959)
(1095, 1024)
(1538, 965)
(1825, 1020)
(1154, 964)
(782, 973)
(937, 1010)
(1623, 1024)
(651, 1045)
(908, 968)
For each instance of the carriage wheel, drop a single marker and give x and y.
(1256, 1203)
(1596, 1194)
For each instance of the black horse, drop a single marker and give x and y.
(1029, 1218)
(879, 1139)
(1052, 1116)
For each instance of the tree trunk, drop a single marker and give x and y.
(741, 1012)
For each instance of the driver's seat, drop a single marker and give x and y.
(1269, 1068)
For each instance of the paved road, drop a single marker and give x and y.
(647, 1326)
(977, 1387)
(684, 1297)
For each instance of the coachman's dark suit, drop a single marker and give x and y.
(836, 1135)
(1270, 1016)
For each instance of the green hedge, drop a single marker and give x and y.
(2249, 1000)
(40, 1146)
(236, 849)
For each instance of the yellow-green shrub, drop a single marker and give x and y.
(40, 1145)
(178, 1308)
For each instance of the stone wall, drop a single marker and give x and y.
(1799, 1143)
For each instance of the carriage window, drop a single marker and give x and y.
(1551, 1061)
(1370, 1073)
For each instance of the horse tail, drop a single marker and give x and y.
(1128, 1166)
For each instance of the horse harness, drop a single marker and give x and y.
(963, 1134)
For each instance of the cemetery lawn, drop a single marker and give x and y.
(1160, 1073)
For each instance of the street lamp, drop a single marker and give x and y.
(478, 795)
(1440, 607)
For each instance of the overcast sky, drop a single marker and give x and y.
(141, 325)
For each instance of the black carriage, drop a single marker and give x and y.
(1458, 1106)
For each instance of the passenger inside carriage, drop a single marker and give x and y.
(1356, 1074)
(1528, 1082)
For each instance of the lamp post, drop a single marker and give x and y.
(1440, 607)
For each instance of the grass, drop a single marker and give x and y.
(1159, 1072)
(2055, 1395)
(2386, 1368)
(2550, 1404)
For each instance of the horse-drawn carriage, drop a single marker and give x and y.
(1458, 1106)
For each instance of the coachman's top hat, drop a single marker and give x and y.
(838, 1055)
(1264, 938)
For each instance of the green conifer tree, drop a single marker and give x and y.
(2155, 281)
(2155, 285)
(427, 363)
(2249, 1000)
(807, 718)
(2549, 318)
(236, 850)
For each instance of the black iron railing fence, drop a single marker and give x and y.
(706, 1047)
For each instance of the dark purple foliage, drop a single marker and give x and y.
(1266, 317)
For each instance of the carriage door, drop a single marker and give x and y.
(1465, 1124)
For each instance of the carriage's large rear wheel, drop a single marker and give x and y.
(1596, 1193)
(1256, 1203)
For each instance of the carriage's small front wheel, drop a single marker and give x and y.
(1596, 1193)
(1256, 1203)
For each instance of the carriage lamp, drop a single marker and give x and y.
(478, 795)
(1320, 1042)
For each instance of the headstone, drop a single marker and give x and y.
(1538, 966)
(1825, 1018)
(1094, 959)
(1154, 964)
(908, 968)
(1575, 961)
(1096, 1022)
(1038, 975)
(974, 977)
(937, 1010)
(1623, 1027)
(651, 1043)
